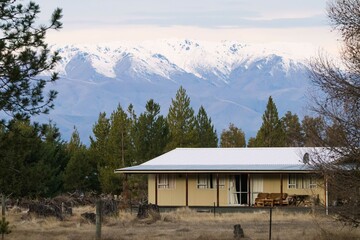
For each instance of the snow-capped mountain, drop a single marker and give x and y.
(231, 80)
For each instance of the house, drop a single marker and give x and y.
(230, 176)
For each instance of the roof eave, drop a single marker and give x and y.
(210, 171)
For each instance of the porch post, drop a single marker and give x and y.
(156, 189)
(125, 190)
(217, 190)
(186, 190)
(281, 189)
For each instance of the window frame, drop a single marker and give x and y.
(208, 181)
(166, 181)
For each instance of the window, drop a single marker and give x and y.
(301, 181)
(165, 181)
(292, 181)
(209, 181)
(313, 183)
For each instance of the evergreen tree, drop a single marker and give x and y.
(251, 142)
(99, 152)
(80, 173)
(23, 56)
(34, 170)
(270, 133)
(206, 134)
(118, 151)
(98, 143)
(232, 137)
(181, 122)
(292, 129)
(150, 133)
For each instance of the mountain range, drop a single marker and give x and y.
(232, 80)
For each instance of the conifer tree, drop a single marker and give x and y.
(206, 134)
(35, 168)
(80, 173)
(270, 133)
(181, 122)
(99, 144)
(23, 56)
(119, 151)
(293, 130)
(150, 133)
(232, 137)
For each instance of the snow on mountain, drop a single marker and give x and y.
(231, 80)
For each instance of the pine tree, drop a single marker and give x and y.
(99, 143)
(80, 173)
(118, 149)
(206, 134)
(150, 133)
(233, 137)
(270, 133)
(23, 56)
(293, 130)
(181, 122)
(34, 169)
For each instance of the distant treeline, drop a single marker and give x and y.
(36, 162)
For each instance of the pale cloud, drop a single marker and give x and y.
(241, 20)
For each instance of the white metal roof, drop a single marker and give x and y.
(225, 160)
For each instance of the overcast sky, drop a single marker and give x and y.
(90, 21)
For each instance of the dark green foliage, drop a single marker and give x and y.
(111, 148)
(232, 137)
(23, 56)
(270, 133)
(81, 171)
(293, 130)
(181, 122)
(206, 134)
(35, 168)
(150, 134)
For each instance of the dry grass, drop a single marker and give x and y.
(180, 224)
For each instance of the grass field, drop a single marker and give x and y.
(180, 224)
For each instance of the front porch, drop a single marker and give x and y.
(235, 189)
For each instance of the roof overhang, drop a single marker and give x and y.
(274, 168)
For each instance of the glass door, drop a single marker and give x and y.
(238, 190)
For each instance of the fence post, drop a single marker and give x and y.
(270, 223)
(98, 219)
(214, 209)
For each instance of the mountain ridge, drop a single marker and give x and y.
(231, 80)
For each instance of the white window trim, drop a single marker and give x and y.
(301, 181)
(166, 181)
(208, 181)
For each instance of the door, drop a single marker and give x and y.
(238, 189)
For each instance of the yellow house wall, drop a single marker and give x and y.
(151, 188)
(177, 196)
(207, 197)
